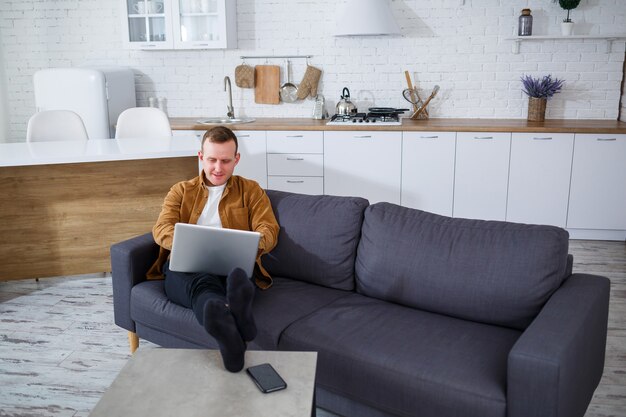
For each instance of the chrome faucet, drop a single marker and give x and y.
(231, 110)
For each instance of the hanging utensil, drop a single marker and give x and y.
(267, 84)
(289, 91)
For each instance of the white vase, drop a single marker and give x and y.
(566, 28)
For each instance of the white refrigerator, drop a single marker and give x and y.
(97, 94)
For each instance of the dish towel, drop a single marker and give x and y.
(309, 83)
(244, 76)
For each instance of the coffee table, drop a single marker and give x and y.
(193, 382)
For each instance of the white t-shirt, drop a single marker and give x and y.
(210, 216)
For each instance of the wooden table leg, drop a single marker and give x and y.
(133, 340)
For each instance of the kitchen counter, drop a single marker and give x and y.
(430, 125)
(96, 150)
(62, 204)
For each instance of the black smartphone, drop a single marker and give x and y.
(266, 378)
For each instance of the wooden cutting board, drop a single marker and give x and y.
(267, 84)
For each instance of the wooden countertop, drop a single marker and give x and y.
(454, 125)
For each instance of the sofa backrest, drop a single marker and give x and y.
(488, 271)
(318, 238)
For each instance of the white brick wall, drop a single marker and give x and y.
(460, 47)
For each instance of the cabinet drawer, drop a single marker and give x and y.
(295, 142)
(301, 185)
(308, 165)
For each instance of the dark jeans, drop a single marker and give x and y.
(193, 290)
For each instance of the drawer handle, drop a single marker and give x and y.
(243, 136)
(295, 182)
(429, 137)
(295, 159)
(606, 139)
(151, 45)
(363, 137)
(296, 136)
(542, 138)
(483, 137)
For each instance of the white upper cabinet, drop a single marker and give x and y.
(180, 24)
(428, 171)
(482, 173)
(205, 24)
(539, 177)
(363, 164)
(597, 194)
(147, 24)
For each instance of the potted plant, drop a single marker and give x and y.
(568, 25)
(539, 90)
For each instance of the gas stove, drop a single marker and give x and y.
(366, 118)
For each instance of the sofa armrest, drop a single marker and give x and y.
(130, 260)
(557, 363)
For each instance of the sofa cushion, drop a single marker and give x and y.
(488, 271)
(406, 362)
(150, 307)
(274, 310)
(286, 302)
(318, 238)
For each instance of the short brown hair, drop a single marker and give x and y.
(220, 134)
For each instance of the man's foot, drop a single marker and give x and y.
(220, 324)
(240, 293)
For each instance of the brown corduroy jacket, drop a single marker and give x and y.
(244, 206)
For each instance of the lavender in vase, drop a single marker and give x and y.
(539, 90)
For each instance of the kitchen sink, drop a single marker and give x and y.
(225, 120)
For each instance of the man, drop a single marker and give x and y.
(223, 305)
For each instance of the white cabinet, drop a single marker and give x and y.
(363, 164)
(481, 175)
(539, 177)
(295, 161)
(252, 148)
(147, 24)
(252, 163)
(598, 192)
(204, 24)
(428, 171)
(179, 24)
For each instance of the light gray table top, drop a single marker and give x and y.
(193, 382)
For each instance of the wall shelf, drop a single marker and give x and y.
(517, 40)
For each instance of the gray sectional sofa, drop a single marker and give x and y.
(413, 314)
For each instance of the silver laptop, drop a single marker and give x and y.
(214, 250)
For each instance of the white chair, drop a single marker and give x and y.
(142, 122)
(55, 125)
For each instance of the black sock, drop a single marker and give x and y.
(240, 293)
(221, 325)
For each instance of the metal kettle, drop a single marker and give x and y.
(345, 106)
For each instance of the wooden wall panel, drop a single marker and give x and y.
(62, 219)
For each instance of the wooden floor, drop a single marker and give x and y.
(59, 348)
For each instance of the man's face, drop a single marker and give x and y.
(218, 161)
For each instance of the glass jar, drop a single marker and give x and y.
(525, 23)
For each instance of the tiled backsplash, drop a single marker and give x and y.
(459, 45)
